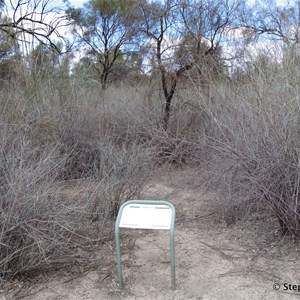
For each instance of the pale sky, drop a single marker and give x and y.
(77, 3)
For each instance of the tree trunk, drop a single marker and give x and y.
(168, 97)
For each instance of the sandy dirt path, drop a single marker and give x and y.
(213, 261)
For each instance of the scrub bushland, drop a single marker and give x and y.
(70, 154)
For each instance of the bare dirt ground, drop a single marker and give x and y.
(213, 261)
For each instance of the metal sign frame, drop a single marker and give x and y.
(172, 244)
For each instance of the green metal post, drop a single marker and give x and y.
(172, 249)
(118, 248)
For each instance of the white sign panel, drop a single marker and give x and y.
(146, 216)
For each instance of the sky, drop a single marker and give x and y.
(77, 3)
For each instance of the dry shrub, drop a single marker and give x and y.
(62, 180)
(179, 144)
(71, 154)
(255, 142)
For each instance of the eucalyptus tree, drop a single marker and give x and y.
(159, 19)
(184, 32)
(205, 24)
(106, 29)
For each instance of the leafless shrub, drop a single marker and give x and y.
(70, 154)
(48, 217)
(256, 146)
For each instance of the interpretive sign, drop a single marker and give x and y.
(146, 214)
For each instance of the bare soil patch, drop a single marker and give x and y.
(213, 261)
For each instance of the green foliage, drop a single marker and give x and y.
(8, 43)
(8, 51)
(74, 14)
(105, 29)
(108, 8)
